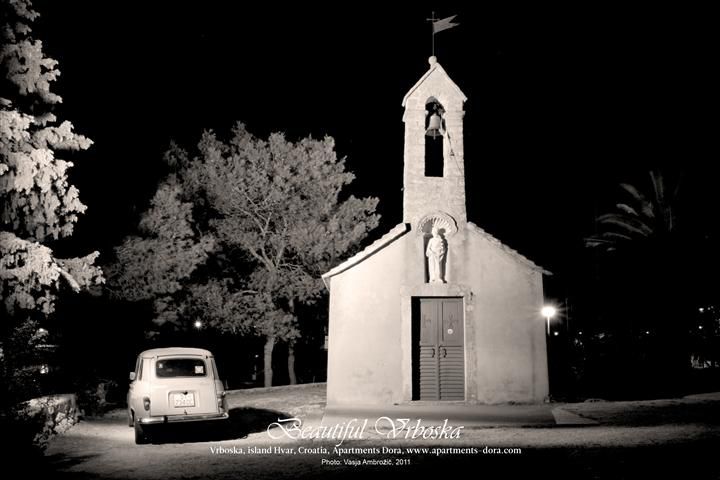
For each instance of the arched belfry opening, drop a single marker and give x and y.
(434, 139)
(434, 174)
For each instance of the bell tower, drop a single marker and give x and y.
(434, 175)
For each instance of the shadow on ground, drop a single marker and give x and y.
(242, 422)
(60, 461)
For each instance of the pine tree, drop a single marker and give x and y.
(37, 202)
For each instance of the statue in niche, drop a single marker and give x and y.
(436, 252)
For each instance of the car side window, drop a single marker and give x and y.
(140, 369)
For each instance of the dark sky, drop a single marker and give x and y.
(561, 104)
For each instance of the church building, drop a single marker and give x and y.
(437, 310)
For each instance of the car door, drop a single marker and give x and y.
(182, 385)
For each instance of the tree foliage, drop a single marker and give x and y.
(640, 216)
(156, 264)
(647, 278)
(38, 205)
(37, 202)
(273, 220)
(277, 205)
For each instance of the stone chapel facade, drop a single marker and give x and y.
(437, 309)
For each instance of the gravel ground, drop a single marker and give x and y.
(633, 439)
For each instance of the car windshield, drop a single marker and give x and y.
(180, 367)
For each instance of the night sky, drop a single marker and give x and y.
(561, 104)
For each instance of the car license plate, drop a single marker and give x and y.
(184, 399)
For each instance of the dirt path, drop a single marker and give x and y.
(683, 438)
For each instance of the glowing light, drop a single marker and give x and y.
(548, 311)
(198, 324)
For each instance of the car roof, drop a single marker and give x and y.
(157, 352)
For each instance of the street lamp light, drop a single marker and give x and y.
(198, 324)
(548, 311)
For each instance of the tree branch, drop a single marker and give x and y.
(73, 283)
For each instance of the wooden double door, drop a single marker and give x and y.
(438, 349)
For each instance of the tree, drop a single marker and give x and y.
(157, 264)
(647, 261)
(641, 217)
(239, 235)
(37, 202)
(276, 209)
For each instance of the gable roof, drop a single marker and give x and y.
(401, 229)
(512, 252)
(398, 231)
(434, 67)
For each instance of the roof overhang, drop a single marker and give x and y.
(397, 232)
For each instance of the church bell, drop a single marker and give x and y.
(434, 126)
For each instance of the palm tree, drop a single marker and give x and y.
(641, 217)
(646, 280)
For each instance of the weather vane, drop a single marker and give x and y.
(440, 24)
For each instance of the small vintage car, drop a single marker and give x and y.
(174, 385)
